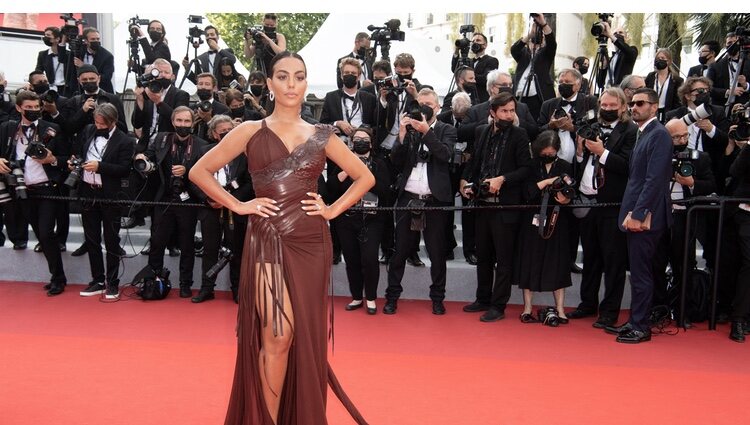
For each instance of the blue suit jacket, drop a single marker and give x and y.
(650, 171)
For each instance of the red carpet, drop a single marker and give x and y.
(74, 360)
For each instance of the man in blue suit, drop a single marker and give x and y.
(645, 211)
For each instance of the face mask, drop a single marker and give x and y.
(361, 147)
(609, 115)
(47, 41)
(703, 60)
(468, 86)
(401, 78)
(256, 89)
(547, 159)
(90, 87)
(476, 48)
(40, 88)
(503, 124)
(95, 45)
(660, 64)
(583, 70)
(505, 90)
(566, 90)
(183, 131)
(102, 132)
(361, 51)
(205, 94)
(238, 112)
(427, 112)
(268, 30)
(32, 115)
(703, 98)
(154, 36)
(221, 135)
(2, 89)
(680, 148)
(164, 82)
(350, 81)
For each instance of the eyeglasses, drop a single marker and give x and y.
(360, 140)
(639, 103)
(678, 137)
(700, 90)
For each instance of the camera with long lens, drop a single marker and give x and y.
(50, 96)
(565, 185)
(225, 255)
(71, 31)
(548, 316)
(589, 128)
(463, 44)
(75, 175)
(205, 105)
(143, 166)
(414, 111)
(478, 190)
(4, 193)
(390, 31)
(597, 29)
(16, 179)
(682, 162)
(700, 113)
(147, 78)
(741, 118)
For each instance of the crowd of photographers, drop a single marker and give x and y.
(495, 140)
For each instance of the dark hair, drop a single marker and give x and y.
(713, 46)
(270, 16)
(461, 71)
(35, 72)
(283, 55)
(257, 76)
(382, 65)
(88, 31)
(108, 112)
(214, 82)
(232, 94)
(650, 94)
(26, 95)
(367, 130)
(480, 34)
(580, 60)
(361, 35)
(502, 99)
(55, 31)
(163, 28)
(211, 27)
(545, 139)
(684, 91)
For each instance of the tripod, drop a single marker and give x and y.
(733, 83)
(596, 84)
(195, 42)
(135, 61)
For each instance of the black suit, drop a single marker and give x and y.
(672, 100)
(583, 104)
(366, 68)
(482, 66)
(543, 63)
(77, 119)
(603, 244)
(478, 115)
(626, 57)
(740, 171)
(364, 102)
(496, 229)
(448, 99)
(719, 74)
(141, 118)
(114, 166)
(697, 70)
(158, 50)
(387, 116)
(104, 62)
(205, 61)
(200, 128)
(439, 140)
(65, 59)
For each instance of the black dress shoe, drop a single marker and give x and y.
(579, 314)
(476, 307)
(20, 246)
(203, 295)
(438, 308)
(351, 306)
(617, 330)
(575, 268)
(83, 249)
(336, 258)
(414, 260)
(450, 256)
(603, 321)
(472, 259)
(174, 252)
(38, 247)
(390, 307)
(185, 292)
(235, 295)
(372, 311)
(130, 222)
(736, 332)
(634, 337)
(63, 247)
(56, 289)
(492, 315)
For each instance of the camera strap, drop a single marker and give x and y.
(492, 154)
(186, 154)
(350, 113)
(547, 227)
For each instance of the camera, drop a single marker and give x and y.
(589, 128)
(16, 179)
(370, 200)
(75, 175)
(50, 96)
(387, 83)
(564, 184)
(387, 33)
(255, 32)
(598, 27)
(136, 22)
(195, 19)
(145, 79)
(4, 194)
(478, 190)
(682, 162)
(144, 166)
(559, 113)
(205, 105)
(414, 110)
(225, 255)
(548, 316)
(71, 32)
(701, 112)
(741, 118)
(36, 150)
(177, 183)
(467, 29)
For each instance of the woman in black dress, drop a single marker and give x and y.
(543, 263)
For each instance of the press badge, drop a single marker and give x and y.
(535, 221)
(184, 196)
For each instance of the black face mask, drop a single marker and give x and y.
(469, 86)
(95, 45)
(183, 131)
(503, 124)
(269, 30)
(40, 88)
(680, 148)
(609, 115)
(2, 89)
(154, 36)
(583, 70)
(165, 83)
(544, 159)
(566, 90)
(427, 112)
(47, 41)
(350, 81)
(476, 48)
(256, 89)
(734, 49)
(221, 135)
(102, 132)
(660, 64)
(703, 60)
(361, 147)
(403, 77)
(238, 112)
(205, 94)
(361, 52)
(702, 99)
(505, 90)
(90, 87)
(620, 37)
(32, 115)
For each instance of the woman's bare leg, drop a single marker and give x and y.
(527, 301)
(559, 295)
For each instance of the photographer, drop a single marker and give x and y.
(101, 159)
(544, 248)
(264, 45)
(99, 57)
(158, 47)
(172, 154)
(209, 61)
(52, 102)
(256, 96)
(238, 108)
(665, 81)
(208, 107)
(723, 71)
(220, 227)
(465, 83)
(421, 153)
(581, 64)
(540, 46)
(34, 152)
(602, 174)
(482, 64)
(706, 56)
(621, 62)
(361, 54)
(53, 62)
(359, 232)
(497, 170)
(349, 108)
(79, 110)
(229, 77)
(691, 177)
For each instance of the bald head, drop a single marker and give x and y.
(678, 130)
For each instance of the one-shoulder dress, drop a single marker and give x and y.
(301, 244)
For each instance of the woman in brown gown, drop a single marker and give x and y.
(282, 370)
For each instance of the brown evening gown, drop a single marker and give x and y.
(301, 244)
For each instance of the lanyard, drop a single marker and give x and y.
(356, 105)
(187, 154)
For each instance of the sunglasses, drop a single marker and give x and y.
(699, 91)
(639, 103)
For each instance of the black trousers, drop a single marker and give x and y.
(407, 242)
(670, 251)
(41, 214)
(641, 251)
(16, 224)
(741, 303)
(98, 219)
(495, 244)
(387, 239)
(360, 236)
(168, 220)
(604, 252)
(216, 232)
(62, 221)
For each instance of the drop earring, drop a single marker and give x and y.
(271, 96)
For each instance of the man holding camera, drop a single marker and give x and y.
(465, 83)
(535, 52)
(158, 47)
(102, 157)
(209, 61)
(53, 62)
(724, 72)
(208, 107)
(171, 155)
(602, 176)
(360, 53)
(264, 45)
(33, 151)
(706, 56)
(500, 163)
(349, 108)
(79, 111)
(621, 62)
(422, 154)
(99, 57)
(481, 63)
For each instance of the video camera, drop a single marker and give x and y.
(194, 32)
(136, 22)
(463, 44)
(597, 28)
(71, 32)
(565, 185)
(682, 162)
(387, 33)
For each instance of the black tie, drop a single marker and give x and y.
(346, 96)
(211, 52)
(565, 102)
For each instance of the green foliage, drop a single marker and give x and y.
(671, 30)
(298, 28)
(634, 28)
(715, 26)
